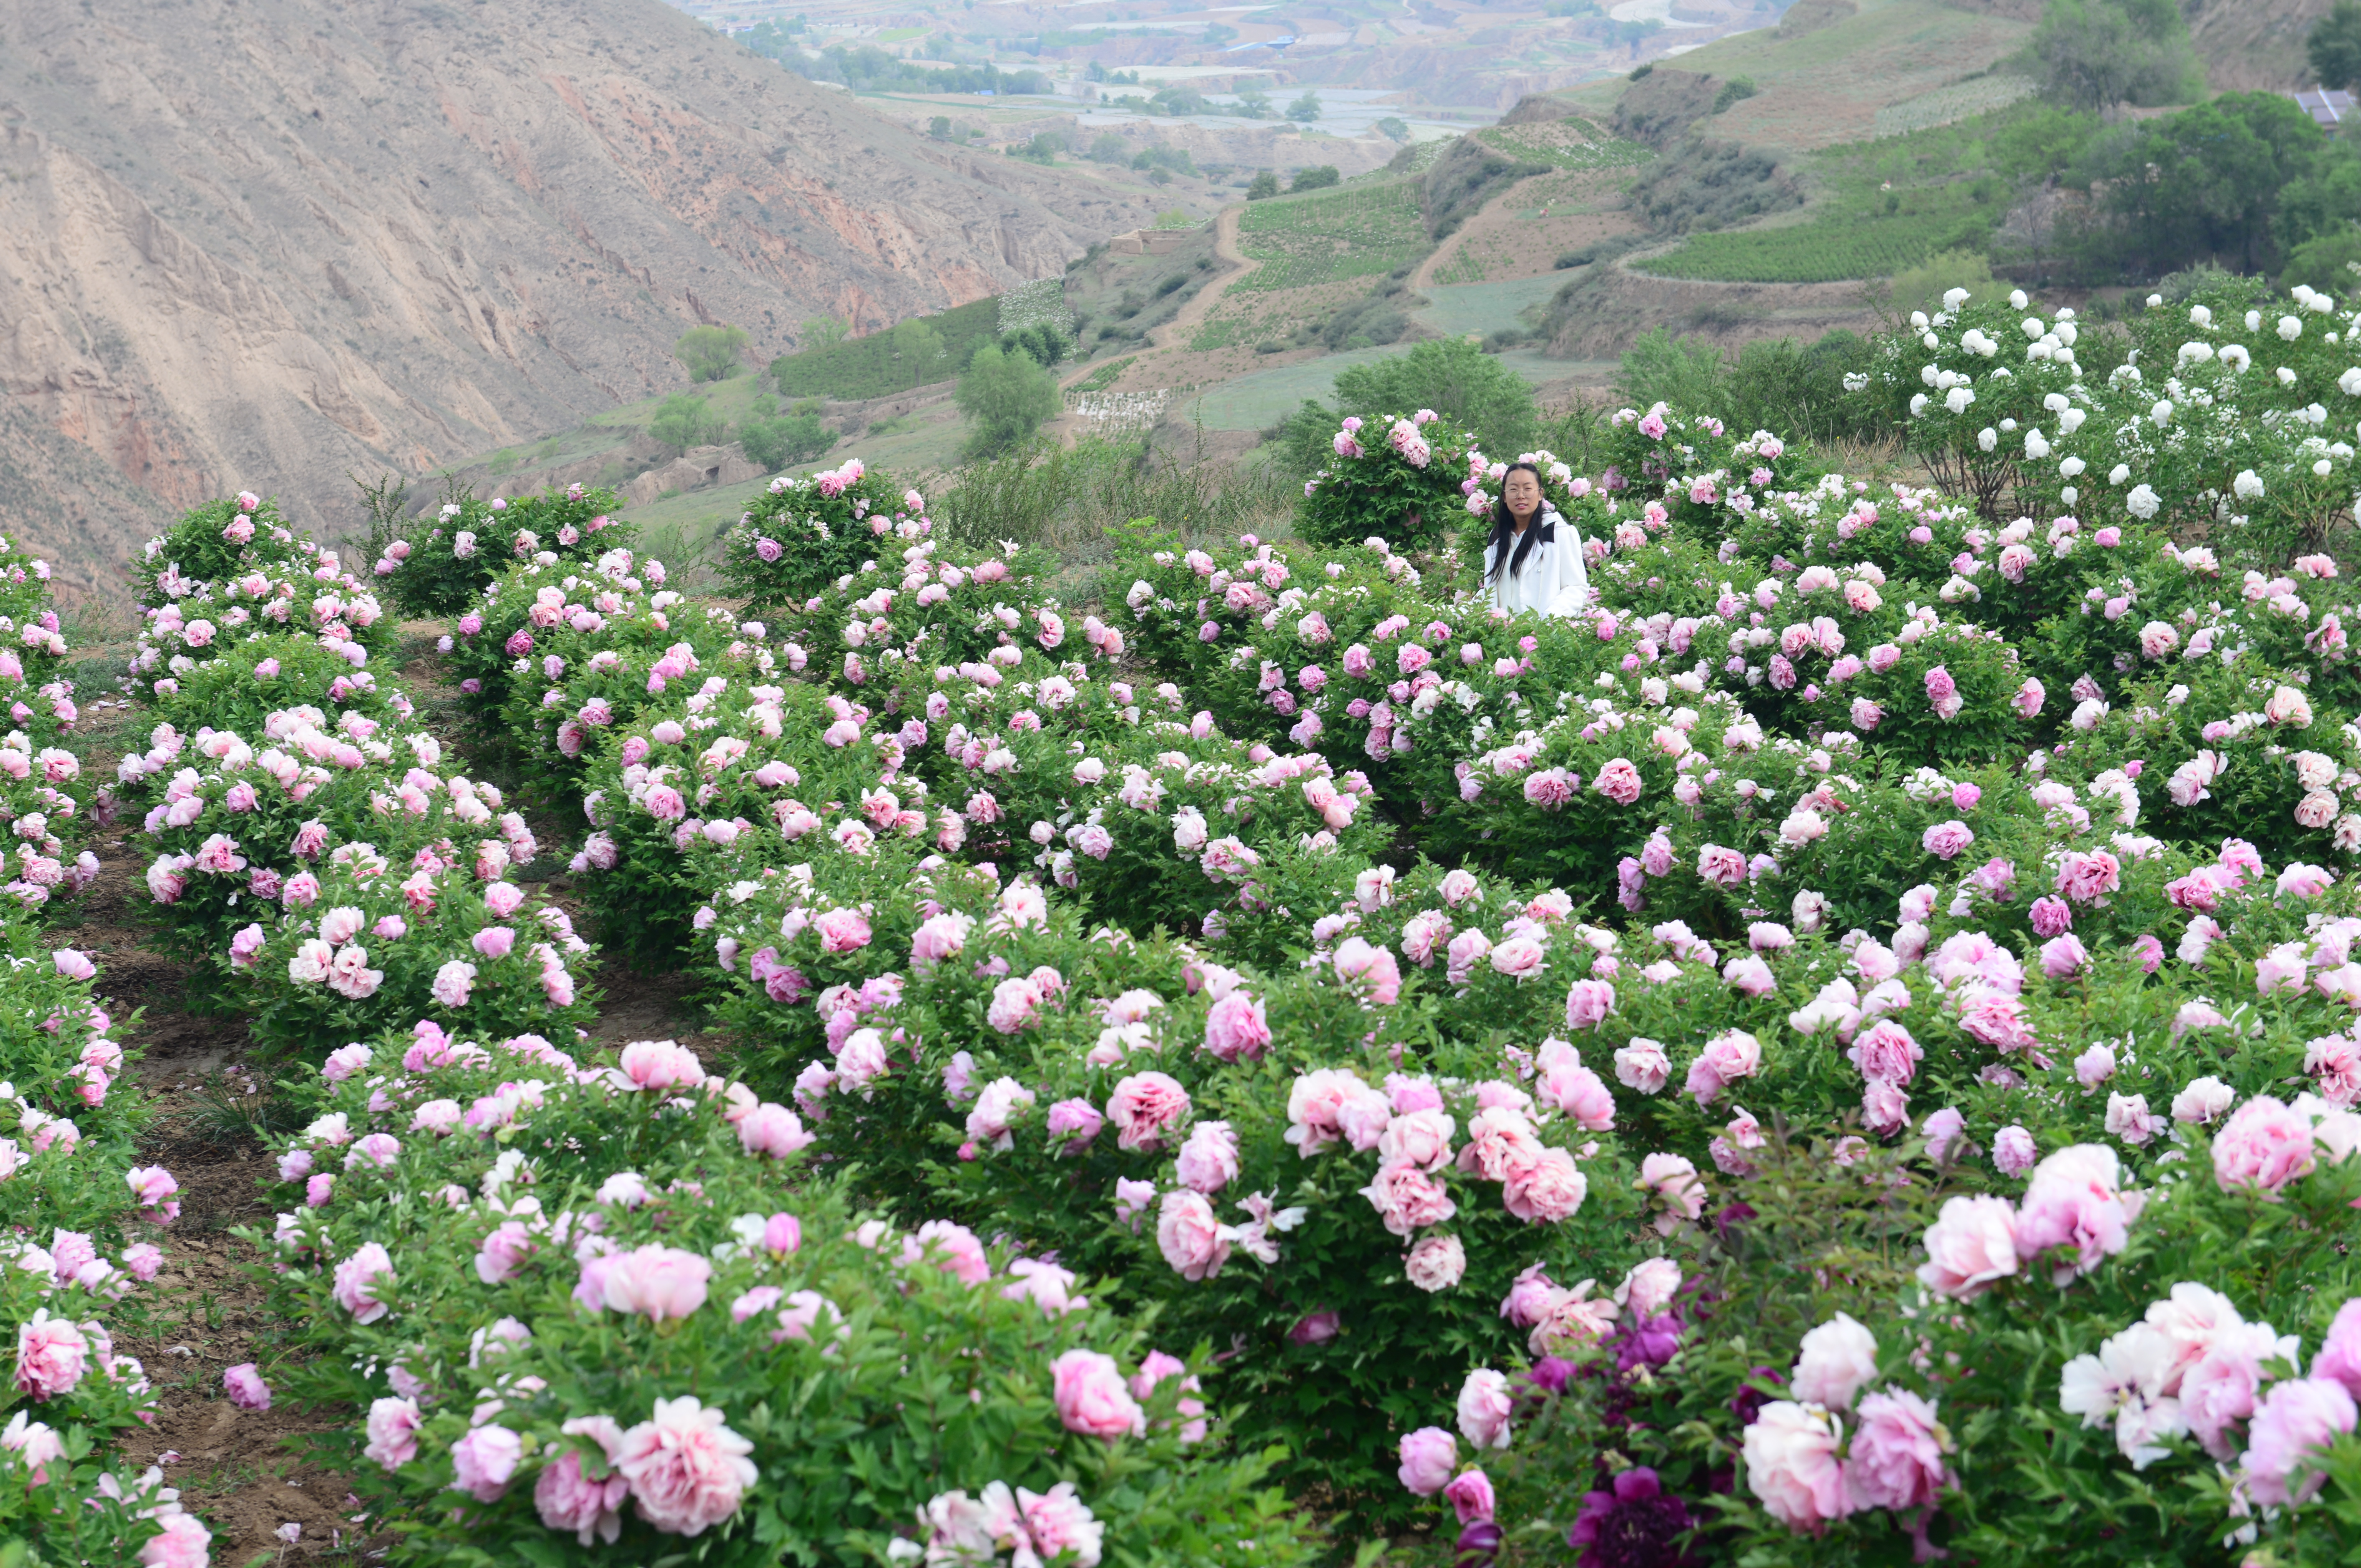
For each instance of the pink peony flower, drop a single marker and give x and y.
(1484, 1409)
(659, 1282)
(1144, 1108)
(393, 1430)
(2300, 1417)
(1191, 1239)
(358, 1281)
(687, 1470)
(51, 1354)
(1436, 1263)
(1092, 1398)
(1972, 1244)
(1898, 1449)
(484, 1462)
(1833, 1362)
(2074, 1201)
(1209, 1159)
(1428, 1458)
(1235, 1028)
(567, 1500)
(1792, 1465)
(1549, 1189)
(2264, 1145)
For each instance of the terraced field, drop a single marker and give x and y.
(1351, 232)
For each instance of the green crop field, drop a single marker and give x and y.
(1805, 252)
(1566, 145)
(1218, 332)
(1346, 233)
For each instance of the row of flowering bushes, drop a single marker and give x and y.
(350, 890)
(1845, 1048)
(318, 861)
(82, 1216)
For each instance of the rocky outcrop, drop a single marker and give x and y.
(699, 469)
(266, 243)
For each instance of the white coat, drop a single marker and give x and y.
(1554, 581)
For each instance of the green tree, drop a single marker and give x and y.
(685, 420)
(2323, 200)
(2093, 54)
(1452, 375)
(1266, 185)
(1044, 147)
(776, 441)
(1305, 109)
(2040, 141)
(919, 352)
(1393, 128)
(940, 128)
(1005, 396)
(1109, 147)
(1318, 178)
(1044, 343)
(2207, 181)
(825, 332)
(1170, 160)
(711, 353)
(2330, 262)
(2334, 45)
(1254, 104)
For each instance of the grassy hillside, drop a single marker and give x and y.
(1830, 86)
(1884, 205)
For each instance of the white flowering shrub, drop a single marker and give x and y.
(1041, 302)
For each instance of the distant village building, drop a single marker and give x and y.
(2329, 108)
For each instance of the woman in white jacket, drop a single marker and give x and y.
(1533, 560)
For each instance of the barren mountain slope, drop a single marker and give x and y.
(261, 242)
(2254, 45)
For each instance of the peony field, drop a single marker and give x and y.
(1845, 1051)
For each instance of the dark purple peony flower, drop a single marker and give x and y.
(1479, 1544)
(1749, 1401)
(1651, 1343)
(1634, 1526)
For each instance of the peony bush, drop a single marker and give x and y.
(1847, 1048)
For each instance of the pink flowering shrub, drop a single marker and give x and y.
(1393, 477)
(804, 533)
(363, 943)
(1852, 1420)
(690, 1337)
(440, 560)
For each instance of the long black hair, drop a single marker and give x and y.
(1504, 528)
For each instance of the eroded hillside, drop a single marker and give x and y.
(262, 241)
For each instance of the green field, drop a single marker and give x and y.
(1350, 231)
(1805, 252)
(1890, 204)
(1566, 148)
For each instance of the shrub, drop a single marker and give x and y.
(1005, 396)
(685, 420)
(443, 566)
(805, 533)
(861, 1382)
(711, 353)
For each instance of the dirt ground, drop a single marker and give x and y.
(245, 1472)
